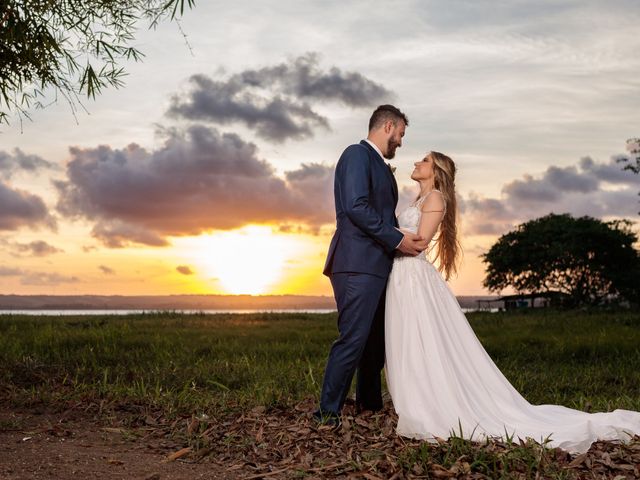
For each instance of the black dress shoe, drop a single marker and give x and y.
(330, 419)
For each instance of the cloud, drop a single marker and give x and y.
(9, 271)
(106, 270)
(312, 184)
(20, 161)
(37, 248)
(612, 172)
(597, 189)
(274, 101)
(553, 184)
(19, 208)
(485, 216)
(303, 79)
(530, 189)
(46, 279)
(199, 180)
(184, 269)
(37, 278)
(118, 234)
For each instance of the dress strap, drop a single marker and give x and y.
(421, 200)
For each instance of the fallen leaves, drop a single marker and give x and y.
(287, 443)
(579, 460)
(282, 443)
(615, 460)
(113, 430)
(176, 455)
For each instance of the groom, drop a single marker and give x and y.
(359, 262)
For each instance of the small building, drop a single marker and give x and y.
(526, 300)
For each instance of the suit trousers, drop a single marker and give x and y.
(360, 345)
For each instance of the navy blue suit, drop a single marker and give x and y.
(358, 263)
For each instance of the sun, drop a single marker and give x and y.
(249, 260)
(246, 261)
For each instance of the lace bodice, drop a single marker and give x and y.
(409, 219)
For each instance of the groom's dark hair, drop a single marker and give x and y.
(385, 113)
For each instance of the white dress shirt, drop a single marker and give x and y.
(375, 147)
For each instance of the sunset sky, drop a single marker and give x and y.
(211, 171)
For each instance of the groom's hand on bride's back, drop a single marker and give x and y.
(412, 244)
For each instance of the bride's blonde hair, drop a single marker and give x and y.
(448, 247)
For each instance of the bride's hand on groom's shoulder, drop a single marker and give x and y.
(412, 244)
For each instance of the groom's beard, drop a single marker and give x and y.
(391, 149)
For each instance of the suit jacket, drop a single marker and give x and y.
(366, 195)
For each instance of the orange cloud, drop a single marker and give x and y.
(197, 181)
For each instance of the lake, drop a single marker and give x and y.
(187, 312)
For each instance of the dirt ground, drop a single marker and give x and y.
(130, 443)
(72, 446)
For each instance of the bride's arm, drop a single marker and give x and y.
(432, 209)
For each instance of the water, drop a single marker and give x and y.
(186, 312)
(140, 311)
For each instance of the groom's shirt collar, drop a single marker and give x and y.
(375, 147)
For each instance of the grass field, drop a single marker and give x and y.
(213, 363)
(238, 389)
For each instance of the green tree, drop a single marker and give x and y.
(75, 47)
(585, 258)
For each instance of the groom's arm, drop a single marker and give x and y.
(353, 176)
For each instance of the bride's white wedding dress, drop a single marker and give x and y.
(440, 377)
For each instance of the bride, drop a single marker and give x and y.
(439, 376)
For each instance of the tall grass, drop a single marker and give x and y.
(214, 363)
(581, 359)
